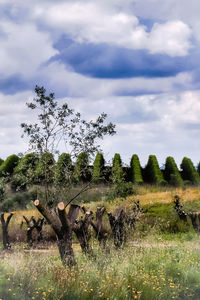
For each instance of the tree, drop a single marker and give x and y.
(171, 172)
(57, 124)
(98, 168)
(189, 172)
(136, 172)
(7, 167)
(117, 170)
(63, 169)
(153, 173)
(81, 168)
(24, 172)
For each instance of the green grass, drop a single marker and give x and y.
(160, 261)
(147, 271)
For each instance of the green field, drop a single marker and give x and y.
(160, 260)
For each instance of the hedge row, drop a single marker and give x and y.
(30, 169)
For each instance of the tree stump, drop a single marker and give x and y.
(117, 224)
(4, 224)
(101, 232)
(81, 229)
(62, 225)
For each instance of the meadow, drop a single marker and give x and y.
(160, 260)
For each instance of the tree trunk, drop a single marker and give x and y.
(65, 249)
(81, 229)
(101, 233)
(117, 224)
(4, 224)
(63, 229)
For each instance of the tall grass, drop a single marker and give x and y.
(147, 272)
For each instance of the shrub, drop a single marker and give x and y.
(1, 161)
(81, 168)
(18, 201)
(63, 169)
(24, 173)
(117, 170)
(45, 169)
(153, 173)
(189, 172)
(171, 172)
(198, 168)
(121, 190)
(7, 167)
(135, 170)
(98, 168)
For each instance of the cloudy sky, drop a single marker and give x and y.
(136, 60)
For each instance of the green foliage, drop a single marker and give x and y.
(18, 201)
(63, 172)
(171, 172)
(1, 161)
(60, 124)
(98, 168)
(153, 173)
(24, 173)
(117, 170)
(2, 189)
(135, 170)
(198, 168)
(189, 172)
(121, 190)
(45, 169)
(81, 168)
(7, 167)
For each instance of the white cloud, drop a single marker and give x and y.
(96, 23)
(23, 48)
(171, 38)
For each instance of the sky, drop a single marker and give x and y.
(136, 60)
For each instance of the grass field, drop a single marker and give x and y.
(161, 259)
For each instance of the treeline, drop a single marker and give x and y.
(31, 169)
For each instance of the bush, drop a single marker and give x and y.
(24, 172)
(153, 174)
(117, 170)
(1, 161)
(81, 168)
(63, 169)
(135, 170)
(98, 168)
(45, 169)
(189, 172)
(18, 201)
(7, 167)
(121, 190)
(171, 172)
